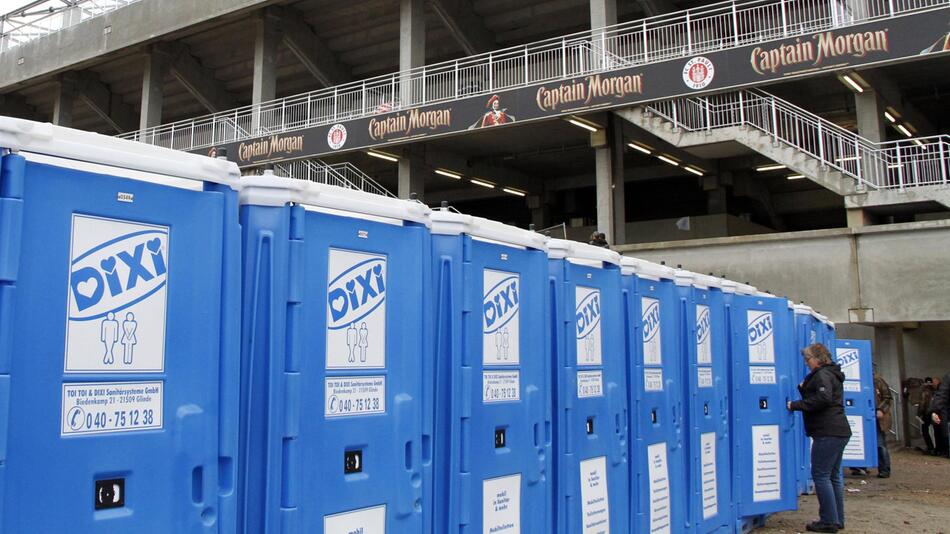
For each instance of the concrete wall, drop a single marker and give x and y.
(698, 227)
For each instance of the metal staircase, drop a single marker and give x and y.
(339, 174)
(906, 171)
(713, 27)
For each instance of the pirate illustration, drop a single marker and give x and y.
(496, 115)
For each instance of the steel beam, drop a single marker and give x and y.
(464, 25)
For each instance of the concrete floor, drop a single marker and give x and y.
(915, 500)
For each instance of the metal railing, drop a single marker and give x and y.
(893, 165)
(708, 28)
(43, 17)
(339, 174)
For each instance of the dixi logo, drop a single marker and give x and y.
(702, 326)
(847, 358)
(588, 314)
(501, 304)
(356, 292)
(116, 274)
(651, 321)
(760, 328)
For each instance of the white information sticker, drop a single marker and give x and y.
(650, 320)
(356, 310)
(704, 377)
(595, 504)
(590, 384)
(653, 379)
(501, 505)
(355, 395)
(850, 362)
(659, 475)
(761, 338)
(118, 275)
(501, 386)
(708, 466)
(703, 337)
(852, 387)
(364, 521)
(854, 450)
(587, 318)
(109, 407)
(761, 375)
(766, 463)
(501, 318)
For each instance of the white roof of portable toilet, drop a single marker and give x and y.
(270, 190)
(446, 222)
(803, 309)
(581, 252)
(44, 139)
(646, 269)
(746, 289)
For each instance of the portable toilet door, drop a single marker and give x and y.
(854, 357)
(706, 379)
(492, 396)
(334, 429)
(808, 330)
(590, 404)
(761, 386)
(118, 325)
(658, 485)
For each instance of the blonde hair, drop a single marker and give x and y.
(818, 352)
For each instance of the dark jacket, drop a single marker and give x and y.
(926, 394)
(822, 403)
(882, 402)
(941, 400)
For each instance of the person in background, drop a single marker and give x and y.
(940, 408)
(883, 400)
(599, 239)
(923, 413)
(822, 407)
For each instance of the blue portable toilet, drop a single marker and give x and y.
(706, 379)
(808, 330)
(589, 390)
(655, 357)
(763, 429)
(335, 378)
(854, 357)
(119, 321)
(492, 387)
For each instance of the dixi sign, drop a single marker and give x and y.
(356, 292)
(501, 304)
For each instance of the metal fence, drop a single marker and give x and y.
(339, 174)
(894, 165)
(713, 27)
(43, 17)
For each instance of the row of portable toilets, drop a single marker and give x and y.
(185, 350)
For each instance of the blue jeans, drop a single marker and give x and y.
(883, 454)
(826, 455)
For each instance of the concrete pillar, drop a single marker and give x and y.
(888, 353)
(266, 38)
(63, 100)
(870, 113)
(412, 49)
(602, 13)
(153, 95)
(609, 182)
(412, 175)
(540, 206)
(717, 196)
(858, 217)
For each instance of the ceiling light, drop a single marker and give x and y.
(770, 167)
(903, 129)
(583, 125)
(795, 176)
(665, 159)
(848, 80)
(849, 158)
(482, 183)
(449, 174)
(382, 155)
(513, 191)
(888, 116)
(893, 165)
(639, 148)
(697, 172)
(920, 143)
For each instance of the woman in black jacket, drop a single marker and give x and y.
(822, 407)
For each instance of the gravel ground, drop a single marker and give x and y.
(915, 500)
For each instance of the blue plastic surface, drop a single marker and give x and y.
(117, 373)
(706, 377)
(334, 432)
(492, 401)
(763, 430)
(854, 357)
(658, 494)
(808, 330)
(590, 399)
